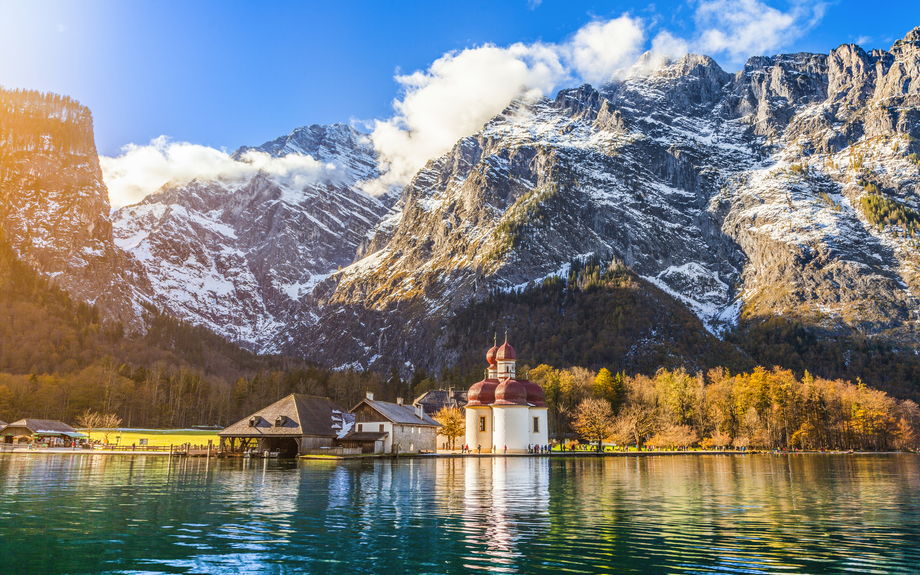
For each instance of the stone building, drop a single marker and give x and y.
(384, 427)
(503, 412)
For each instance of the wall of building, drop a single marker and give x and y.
(415, 438)
(473, 436)
(540, 437)
(313, 442)
(378, 427)
(511, 428)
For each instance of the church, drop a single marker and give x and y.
(503, 412)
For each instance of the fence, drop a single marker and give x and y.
(336, 451)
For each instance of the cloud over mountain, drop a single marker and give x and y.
(142, 170)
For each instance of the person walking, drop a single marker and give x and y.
(505, 451)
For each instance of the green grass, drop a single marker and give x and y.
(156, 437)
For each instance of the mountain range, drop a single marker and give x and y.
(789, 190)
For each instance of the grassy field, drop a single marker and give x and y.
(164, 437)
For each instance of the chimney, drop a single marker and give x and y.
(420, 411)
(370, 395)
(399, 401)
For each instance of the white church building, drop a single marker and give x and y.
(503, 412)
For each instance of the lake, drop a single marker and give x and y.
(670, 514)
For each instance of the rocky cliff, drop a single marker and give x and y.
(54, 206)
(788, 188)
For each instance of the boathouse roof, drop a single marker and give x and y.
(295, 415)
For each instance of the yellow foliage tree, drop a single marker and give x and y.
(453, 424)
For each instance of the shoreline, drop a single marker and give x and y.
(445, 455)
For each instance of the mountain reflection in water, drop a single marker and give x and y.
(689, 514)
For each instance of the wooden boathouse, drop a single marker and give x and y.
(291, 426)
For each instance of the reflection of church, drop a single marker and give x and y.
(505, 412)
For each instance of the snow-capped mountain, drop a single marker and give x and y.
(789, 188)
(237, 254)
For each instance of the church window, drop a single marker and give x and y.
(482, 423)
(536, 425)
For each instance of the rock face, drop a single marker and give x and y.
(786, 189)
(54, 206)
(237, 255)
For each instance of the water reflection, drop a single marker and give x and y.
(506, 510)
(760, 514)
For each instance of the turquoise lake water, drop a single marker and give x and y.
(671, 514)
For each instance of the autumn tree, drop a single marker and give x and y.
(610, 387)
(593, 419)
(674, 436)
(453, 424)
(718, 439)
(637, 421)
(89, 420)
(107, 424)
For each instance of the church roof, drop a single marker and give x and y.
(505, 352)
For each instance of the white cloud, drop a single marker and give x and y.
(142, 170)
(666, 44)
(462, 90)
(742, 28)
(601, 48)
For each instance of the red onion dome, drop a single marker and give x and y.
(482, 393)
(510, 392)
(490, 356)
(535, 395)
(505, 352)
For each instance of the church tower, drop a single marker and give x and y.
(503, 411)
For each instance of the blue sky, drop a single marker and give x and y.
(224, 74)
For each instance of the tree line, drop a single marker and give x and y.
(763, 409)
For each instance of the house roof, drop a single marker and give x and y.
(402, 414)
(2, 423)
(45, 426)
(306, 415)
(437, 399)
(364, 436)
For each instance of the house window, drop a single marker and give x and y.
(482, 423)
(360, 427)
(536, 425)
(381, 428)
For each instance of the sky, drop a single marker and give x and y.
(169, 81)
